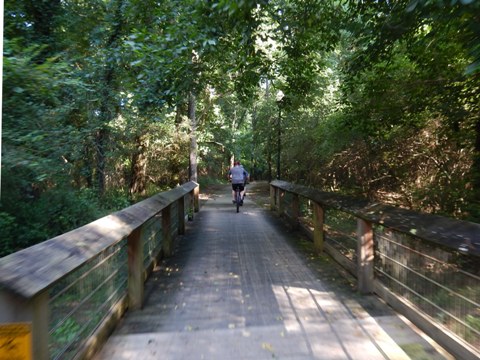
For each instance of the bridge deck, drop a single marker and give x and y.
(241, 286)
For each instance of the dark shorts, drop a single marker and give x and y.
(239, 186)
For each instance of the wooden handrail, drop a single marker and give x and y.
(455, 234)
(27, 275)
(32, 270)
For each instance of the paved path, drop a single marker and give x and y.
(241, 286)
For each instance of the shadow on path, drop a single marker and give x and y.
(243, 286)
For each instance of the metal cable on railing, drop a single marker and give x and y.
(339, 228)
(152, 240)
(74, 287)
(429, 261)
(433, 285)
(77, 302)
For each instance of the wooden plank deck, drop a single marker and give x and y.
(242, 286)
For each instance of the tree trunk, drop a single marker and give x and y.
(179, 113)
(279, 141)
(269, 163)
(100, 143)
(43, 17)
(108, 109)
(253, 157)
(138, 181)
(475, 171)
(193, 138)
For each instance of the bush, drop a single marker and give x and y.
(8, 229)
(54, 212)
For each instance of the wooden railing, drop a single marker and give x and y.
(71, 290)
(425, 266)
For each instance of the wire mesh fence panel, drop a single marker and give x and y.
(84, 275)
(438, 277)
(80, 301)
(174, 219)
(152, 239)
(442, 283)
(287, 201)
(341, 229)
(187, 203)
(306, 211)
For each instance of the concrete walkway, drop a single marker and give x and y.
(242, 286)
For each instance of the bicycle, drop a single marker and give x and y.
(238, 197)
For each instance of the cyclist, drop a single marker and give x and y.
(245, 183)
(238, 176)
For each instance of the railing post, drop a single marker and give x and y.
(190, 206)
(35, 311)
(181, 215)
(135, 269)
(196, 203)
(273, 197)
(365, 256)
(281, 203)
(318, 221)
(167, 239)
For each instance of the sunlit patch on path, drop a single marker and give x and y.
(237, 287)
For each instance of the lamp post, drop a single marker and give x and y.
(279, 99)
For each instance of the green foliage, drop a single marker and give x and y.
(463, 15)
(473, 321)
(30, 218)
(8, 228)
(208, 181)
(65, 334)
(380, 99)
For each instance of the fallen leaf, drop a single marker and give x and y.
(267, 346)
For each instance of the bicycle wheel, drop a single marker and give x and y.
(237, 199)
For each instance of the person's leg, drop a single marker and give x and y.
(244, 190)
